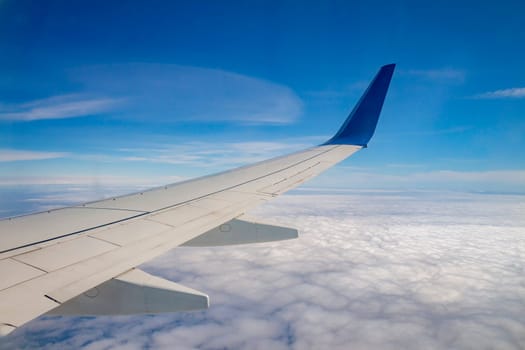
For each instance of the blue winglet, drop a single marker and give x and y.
(360, 125)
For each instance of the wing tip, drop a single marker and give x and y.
(361, 123)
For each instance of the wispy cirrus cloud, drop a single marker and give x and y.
(428, 132)
(510, 181)
(177, 93)
(200, 154)
(58, 107)
(166, 93)
(12, 155)
(357, 87)
(216, 155)
(442, 74)
(503, 93)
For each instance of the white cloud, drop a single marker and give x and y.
(174, 93)
(490, 180)
(452, 130)
(371, 270)
(10, 155)
(99, 180)
(166, 93)
(443, 74)
(512, 176)
(216, 155)
(504, 93)
(58, 107)
(332, 95)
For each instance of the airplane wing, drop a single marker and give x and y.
(82, 260)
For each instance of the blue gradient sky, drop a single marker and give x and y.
(145, 92)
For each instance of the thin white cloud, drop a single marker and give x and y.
(11, 155)
(512, 176)
(166, 93)
(175, 93)
(504, 93)
(331, 95)
(99, 180)
(452, 130)
(58, 107)
(491, 180)
(368, 270)
(216, 155)
(443, 74)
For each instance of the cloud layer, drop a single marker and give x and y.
(504, 93)
(372, 270)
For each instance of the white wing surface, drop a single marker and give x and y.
(82, 260)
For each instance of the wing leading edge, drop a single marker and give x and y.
(57, 259)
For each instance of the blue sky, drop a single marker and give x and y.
(103, 97)
(143, 93)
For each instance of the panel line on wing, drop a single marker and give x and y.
(72, 233)
(28, 264)
(108, 208)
